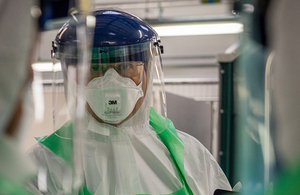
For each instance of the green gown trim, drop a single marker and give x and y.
(60, 141)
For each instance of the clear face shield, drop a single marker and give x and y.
(117, 95)
(119, 81)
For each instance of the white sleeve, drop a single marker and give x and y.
(203, 173)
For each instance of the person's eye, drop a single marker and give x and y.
(124, 66)
(94, 68)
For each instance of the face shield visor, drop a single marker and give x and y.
(117, 93)
(118, 81)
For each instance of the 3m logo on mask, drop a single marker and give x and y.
(113, 103)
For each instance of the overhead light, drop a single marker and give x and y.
(199, 29)
(46, 67)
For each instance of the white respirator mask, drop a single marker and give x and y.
(112, 97)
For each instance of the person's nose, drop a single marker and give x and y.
(112, 66)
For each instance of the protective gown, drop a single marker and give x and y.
(145, 158)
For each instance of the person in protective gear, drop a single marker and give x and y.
(17, 33)
(128, 147)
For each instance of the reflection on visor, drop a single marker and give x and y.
(135, 52)
(125, 69)
(129, 61)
